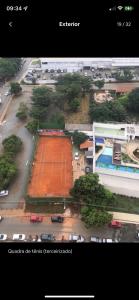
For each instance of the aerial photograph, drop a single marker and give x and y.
(69, 149)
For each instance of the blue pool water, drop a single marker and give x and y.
(105, 161)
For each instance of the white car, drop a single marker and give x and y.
(76, 238)
(18, 237)
(3, 237)
(107, 241)
(95, 239)
(7, 93)
(76, 155)
(4, 193)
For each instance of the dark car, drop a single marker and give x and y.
(57, 219)
(46, 237)
(1, 218)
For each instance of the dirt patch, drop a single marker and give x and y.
(82, 116)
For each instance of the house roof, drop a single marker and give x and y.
(86, 144)
(121, 87)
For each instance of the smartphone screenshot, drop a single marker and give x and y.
(69, 149)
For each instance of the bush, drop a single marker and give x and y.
(12, 144)
(22, 111)
(92, 216)
(79, 137)
(32, 126)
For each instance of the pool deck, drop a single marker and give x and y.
(117, 173)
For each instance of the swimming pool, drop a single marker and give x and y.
(117, 168)
(106, 159)
(108, 151)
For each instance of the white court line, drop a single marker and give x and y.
(70, 296)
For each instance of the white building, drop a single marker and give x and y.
(119, 131)
(72, 64)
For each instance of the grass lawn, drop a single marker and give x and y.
(127, 204)
(46, 209)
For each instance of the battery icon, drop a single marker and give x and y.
(128, 8)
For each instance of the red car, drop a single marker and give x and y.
(115, 224)
(35, 219)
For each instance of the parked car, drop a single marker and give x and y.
(95, 239)
(115, 224)
(7, 93)
(1, 218)
(76, 238)
(57, 219)
(46, 237)
(3, 237)
(4, 193)
(19, 237)
(36, 219)
(76, 155)
(137, 234)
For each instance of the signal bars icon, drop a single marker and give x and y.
(114, 8)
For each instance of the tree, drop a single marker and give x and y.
(107, 111)
(133, 101)
(73, 85)
(15, 88)
(74, 104)
(86, 83)
(12, 144)
(79, 137)
(42, 96)
(8, 170)
(38, 112)
(9, 67)
(124, 75)
(32, 126)
(59, 99)
(22, 111)
(92, 216)
(99, 83)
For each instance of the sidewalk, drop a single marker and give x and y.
(125, 218)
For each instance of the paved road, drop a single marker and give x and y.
(11, 225)
(6, 86)
(12, 125)
(20, 225)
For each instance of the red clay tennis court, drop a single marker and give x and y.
(52, 167)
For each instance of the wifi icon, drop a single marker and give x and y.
(120, 7)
